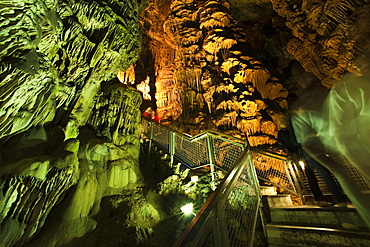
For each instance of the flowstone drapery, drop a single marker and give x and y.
(328, 35)
(55, 56)
(217, 76)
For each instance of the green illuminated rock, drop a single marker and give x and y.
(54, 58)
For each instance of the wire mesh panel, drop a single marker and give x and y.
(226, 151)
(161, 136)
(241, 210)
(273, 170)
(192, 153)
(145, 126)
(354, 173)
(228, 218)
(240, 216)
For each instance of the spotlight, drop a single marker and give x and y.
(187, 209)
(301, 163)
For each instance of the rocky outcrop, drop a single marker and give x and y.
(329, 36)
(115, 114)
(55, 55)
(69, 131)
(160, 53)
(33, 184)
(217, 74)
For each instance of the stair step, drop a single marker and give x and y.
(321, 236)
(313, 215)
(268, 190)
(281, 200)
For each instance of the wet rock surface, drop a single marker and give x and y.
(55, 58)
(69, 130)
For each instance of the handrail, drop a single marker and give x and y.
(294, 171)
(214, 149)
(197, 230)
(270, 154)
(210, 222)
(213, 132)
(204, 140)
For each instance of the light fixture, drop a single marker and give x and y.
(301, 163)
(194, 179)
(187, 209)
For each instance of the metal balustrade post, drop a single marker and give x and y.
(294, 172)
(289, 177)
(151, 133)
(220, 231)
(171, 147)
(211, 159)
(254, 179)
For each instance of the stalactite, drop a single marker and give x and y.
(229, 76)
(29, 200)
(327, 35)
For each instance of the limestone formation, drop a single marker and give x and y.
(59, 61)
(69, 128)
(217, 75)
(329, 35)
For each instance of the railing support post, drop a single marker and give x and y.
(289, 176)
(211, 158)
(151, 133)
(294, 172)
(220, 231)
(172, 147)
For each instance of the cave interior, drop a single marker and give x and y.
(76, 76)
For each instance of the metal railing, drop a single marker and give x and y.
(220, 151)
(279, 171)
(236, 199)
(229, 216)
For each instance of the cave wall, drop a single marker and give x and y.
(329, 36)
(69, 130)
(210, 73)
(227, 65)
(158, 61)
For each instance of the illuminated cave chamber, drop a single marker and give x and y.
(75, 76)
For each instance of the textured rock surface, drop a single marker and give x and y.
(207, 75)
(59, 61)
(328, 35)
(58, 55)
(217, 75)
(157, 61)
(69, 130)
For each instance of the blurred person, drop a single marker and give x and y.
(156, 117)
(147, 113)
(312, 167)
(339, 128)
(348, 107)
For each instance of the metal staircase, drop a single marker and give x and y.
(315, 226)
(229, 216)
